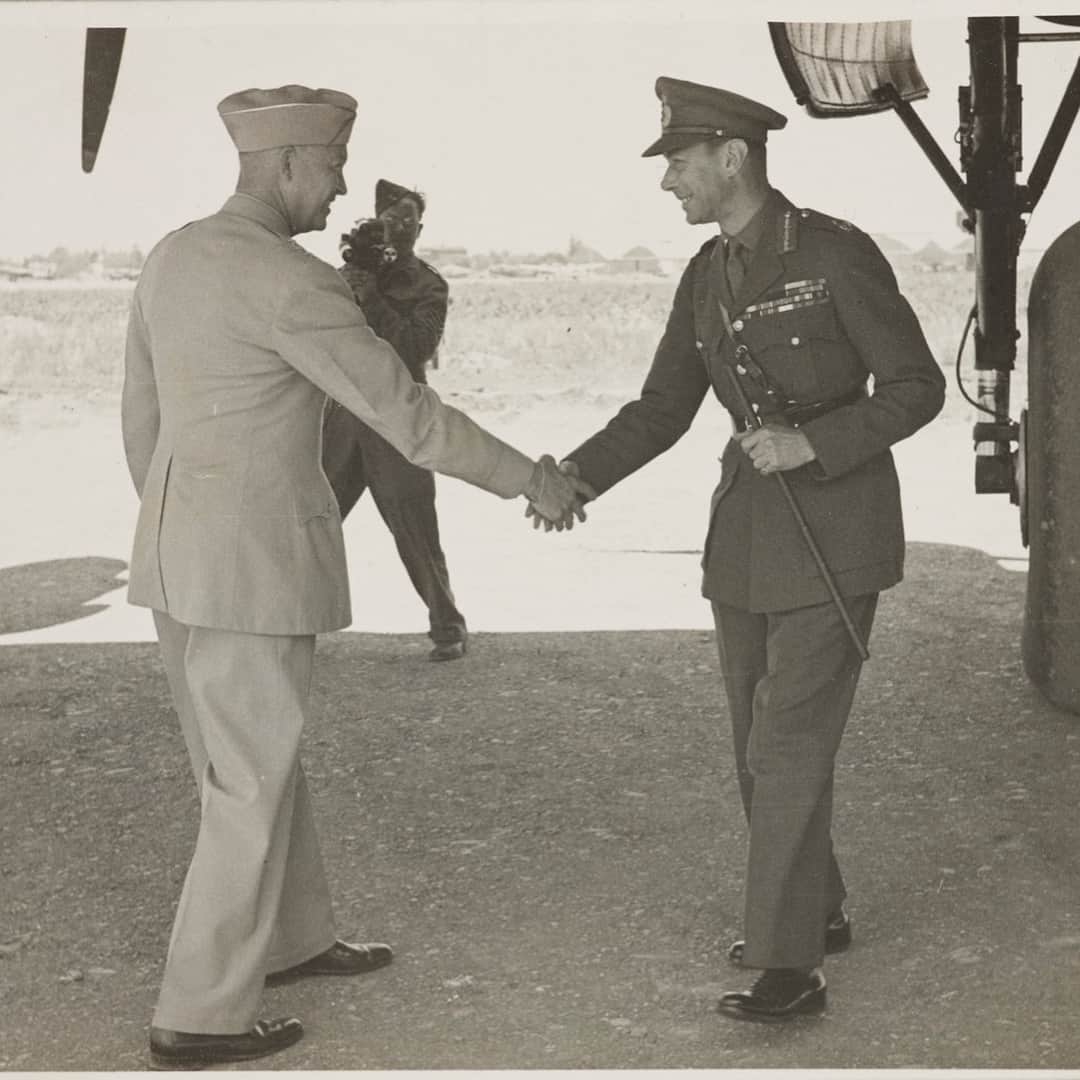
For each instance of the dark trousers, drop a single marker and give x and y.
(790, 679)
(354, 459)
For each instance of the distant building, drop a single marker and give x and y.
(933, 258)
(900, 256)
(580, 254)
(14, 271)
(441, 257)
(43, 269)
(122, 273)
(965, 250)
(638, 260)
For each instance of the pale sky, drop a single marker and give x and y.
(522, 120)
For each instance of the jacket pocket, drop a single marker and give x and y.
(855, 519)
(794, 347)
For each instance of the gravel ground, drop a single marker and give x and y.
(549, 834)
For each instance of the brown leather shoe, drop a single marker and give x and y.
(448, 650)
(837, 937)
(777, 994)
(340, 959)
(189, 1050)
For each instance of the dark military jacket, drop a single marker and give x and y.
(820, 313)
(408, 309)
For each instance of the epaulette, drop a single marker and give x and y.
(427, 266)
(816, 220)
(706, 249)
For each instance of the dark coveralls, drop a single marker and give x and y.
(408, 310)
(820, 312)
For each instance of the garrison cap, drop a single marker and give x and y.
(287, 116)
(387, 193)
(691, 112)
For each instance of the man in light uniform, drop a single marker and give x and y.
(236, 337)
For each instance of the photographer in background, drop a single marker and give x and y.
(404, 301)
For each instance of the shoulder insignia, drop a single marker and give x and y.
(787, 232)
(824, 221)
(431, 269)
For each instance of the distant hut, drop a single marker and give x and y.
(965, 251)
(638, 260)
(443, 258)
(933, 257)
(580, 254)
(896, 251)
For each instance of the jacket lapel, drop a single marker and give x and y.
(766, 265)
(707, 279)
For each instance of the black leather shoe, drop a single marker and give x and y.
(837, 937)
(777, 994)
(339, 959)
(187, 1050)
(448, 650)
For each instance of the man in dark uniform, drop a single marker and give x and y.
(807, 310)
(405, 304)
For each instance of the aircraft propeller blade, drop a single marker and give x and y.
(103, 48)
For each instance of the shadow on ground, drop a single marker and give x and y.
(549, 834)
(40, 594)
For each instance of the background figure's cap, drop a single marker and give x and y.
(387, 193)
(288, 116)
(691, 112)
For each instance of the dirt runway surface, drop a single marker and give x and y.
(548, 832)
(550, 836)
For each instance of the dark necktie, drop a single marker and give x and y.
(735, 264)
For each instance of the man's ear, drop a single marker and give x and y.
(735, 154)
(419, 227)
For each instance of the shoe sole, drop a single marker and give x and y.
(812, 1006)
(167, 1063)
(281, 978)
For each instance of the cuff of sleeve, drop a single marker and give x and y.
(830, 460)
(511, 474)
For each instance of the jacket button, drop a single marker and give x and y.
(699, 344)
(796, 341)
(737, 325)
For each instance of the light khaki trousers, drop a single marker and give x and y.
(255, 898)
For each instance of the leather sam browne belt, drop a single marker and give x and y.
(794, 413)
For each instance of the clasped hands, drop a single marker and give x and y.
(556, 495)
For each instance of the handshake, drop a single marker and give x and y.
(556, 495)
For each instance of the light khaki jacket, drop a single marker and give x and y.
(236, 337)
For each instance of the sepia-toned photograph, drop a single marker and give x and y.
(539, 535)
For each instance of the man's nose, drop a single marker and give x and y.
(667, 182)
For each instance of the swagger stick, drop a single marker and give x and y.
(755, 421)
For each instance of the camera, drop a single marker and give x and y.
(367, 246)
